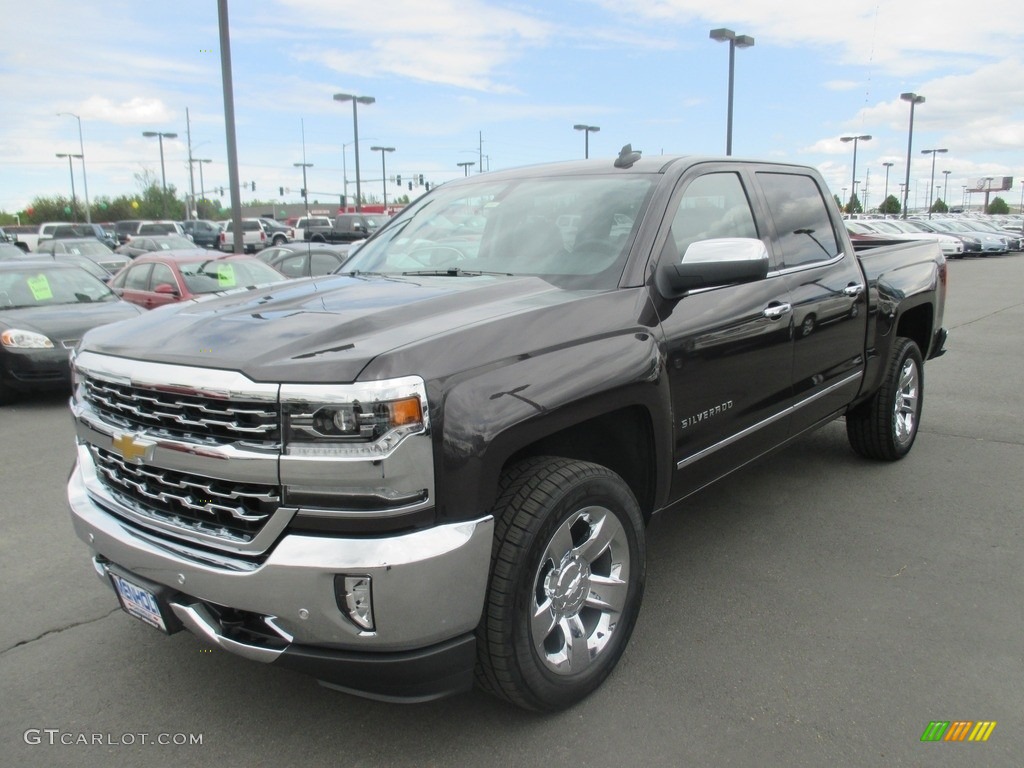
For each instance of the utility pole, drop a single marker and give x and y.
(191, 175)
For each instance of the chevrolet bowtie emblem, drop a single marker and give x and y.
(133, 448)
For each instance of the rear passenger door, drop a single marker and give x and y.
(827, 290)
(729, 351)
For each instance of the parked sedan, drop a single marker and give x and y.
(306, 259)
(45, 308)
(164, 278)
(140, 245)
(952, 247)
(88, 247)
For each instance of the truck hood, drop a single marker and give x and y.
(325, 329)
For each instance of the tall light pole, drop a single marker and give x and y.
(163, 173)
(383, 173)
(81, 149)
(74, 202)
(1022, 197)
(305, 189)
(356, 100)
(202, 186)
(854, 139)
(735, 41)
(465, 166)
(587, 130)
(945, 189)
(887, 167)
(914, 100)
(933, 153)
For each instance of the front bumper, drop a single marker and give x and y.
(427, 590)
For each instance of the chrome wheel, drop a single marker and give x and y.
(566, 582)
(580, 590)
(905, 405)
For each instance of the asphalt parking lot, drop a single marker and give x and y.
(813, 610)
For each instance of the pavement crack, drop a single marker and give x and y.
(59, 629)
(976, 438)
(993, 313)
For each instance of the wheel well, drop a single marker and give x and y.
(916, 324)
(622, 441)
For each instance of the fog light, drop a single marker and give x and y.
(355, 599)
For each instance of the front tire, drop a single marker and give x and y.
(566, 582)
(885, 427)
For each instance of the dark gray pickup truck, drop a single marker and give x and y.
(438, 467)
(346, 228)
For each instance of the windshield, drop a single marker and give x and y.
(573, 231)
(93, 248)
(50, 287)
(172, 243)
(215, 275)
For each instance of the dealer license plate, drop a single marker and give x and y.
(139, 602)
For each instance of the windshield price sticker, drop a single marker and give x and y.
(225, 275)
(40, 288)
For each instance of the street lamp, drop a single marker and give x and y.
(344, 171)
(887, 167)
(587, 130)
(945, 188)
(933, 153)
(854, 139)
(383, 173)
(81, 149)
(74, 202)
(305, 189)
(163, 174)
(914, 100)
(466, 166)
(735, 41)
(356, 100)
(202, 186)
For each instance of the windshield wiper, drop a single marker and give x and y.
(454, 272)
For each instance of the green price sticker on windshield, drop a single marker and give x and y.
(225, 275)
(40, 288)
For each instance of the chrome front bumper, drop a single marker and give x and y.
(427, 586)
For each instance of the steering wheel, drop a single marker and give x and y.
(429, 255)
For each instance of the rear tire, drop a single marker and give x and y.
(885, 427)
(566, 582)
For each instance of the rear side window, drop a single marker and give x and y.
(802, 223)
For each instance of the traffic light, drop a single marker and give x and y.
(280, 191)
(398, 179)
(410, 186)
(421, 179)
(253, 185)
(302, 192)
(222, 191)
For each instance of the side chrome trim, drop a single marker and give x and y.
(766, 422)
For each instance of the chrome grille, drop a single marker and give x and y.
(184, 415)
(228, 510)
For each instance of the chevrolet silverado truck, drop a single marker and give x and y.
(346, 228)
(437, 467)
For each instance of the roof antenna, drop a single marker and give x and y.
(627, 157)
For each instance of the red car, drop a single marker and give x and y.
(169, 276)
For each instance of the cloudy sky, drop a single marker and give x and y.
(502, 84)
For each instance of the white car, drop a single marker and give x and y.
(952, 247)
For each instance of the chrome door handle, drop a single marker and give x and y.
(775, 311)
(854, 289)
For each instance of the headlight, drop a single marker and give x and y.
(18, 339)
(356, 420)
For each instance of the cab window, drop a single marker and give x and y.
(803, 227)
(714, 205)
